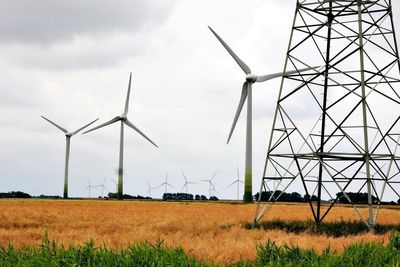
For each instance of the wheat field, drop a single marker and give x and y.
(209, 231)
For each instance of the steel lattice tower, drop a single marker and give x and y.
(336, 129)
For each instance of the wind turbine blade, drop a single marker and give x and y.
(237, 172)
(232, 184)
(267, 77)
(127, 95)
(127, 122)
(58, 126)
(184, 176)
(170, 185)
(104, 124)
(80, 129)
(239, 109)
(215, 173)
(241, 64)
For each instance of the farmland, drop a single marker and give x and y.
(208, 231)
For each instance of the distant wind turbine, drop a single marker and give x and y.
(116, 185)
(150, 188)
(247, 93)
(187, 182)
(89, 187)
(102, 187)
(124, 120)
(237, 181)
(211, 187)
(166, 184)
(68, 136)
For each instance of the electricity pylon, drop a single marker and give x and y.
(336, 129)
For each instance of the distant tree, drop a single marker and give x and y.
(15, 194)
(280, 196)
(307, 198)
(356, 198)
(177, 196)
(126, 196)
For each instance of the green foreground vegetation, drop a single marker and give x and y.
(146, 254)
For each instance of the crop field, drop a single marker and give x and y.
(211, 232)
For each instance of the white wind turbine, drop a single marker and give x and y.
(211, 187)
(166, 184)
(150, 188)
(187, 182)
(124, 120)
(68, 136)
(237, 181)
(102, 187)
(116, 185)
(89, 187)
(247, 93)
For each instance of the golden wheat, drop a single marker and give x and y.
(209, 231)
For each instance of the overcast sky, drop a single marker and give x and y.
(70, 61)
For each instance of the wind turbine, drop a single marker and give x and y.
(116, 185)
(210, 183)
(213, 189)
(89, 187)
(166, 184)
(124, 120)
(102, 187)
(237, 181)
(68, 136)
(149, 189)
(247, 93)
(187, 182)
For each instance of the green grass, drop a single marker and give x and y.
(146, 254)
(335, 229)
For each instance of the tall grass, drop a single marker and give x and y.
(146, 254)
(51, 254)
(362, 254)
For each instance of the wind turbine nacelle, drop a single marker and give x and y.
(251, 78)
(123, 117)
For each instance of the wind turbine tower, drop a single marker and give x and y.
(68, 136)
(166, 184)
(123, 119)
(89, 188)
(187, 182)
(211, 187)
(102, 186)
(337, 130)
(237, 181)
(247, 93)
(150, 188)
